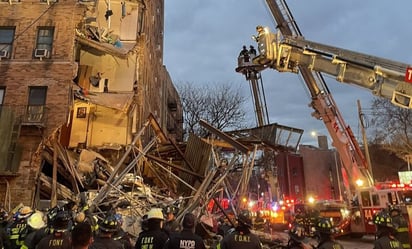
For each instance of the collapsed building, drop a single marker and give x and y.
(87, 106)
(88, 74)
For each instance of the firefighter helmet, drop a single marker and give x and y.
(36, 221)
(297, 232)
(61, 221)
(109, 224)
(394, 211)
(155, 213)
(383, 219)
(24, 212)
(324, 225)
(4, 216)
(170, 210)
(244, 218)
(119, 219)
(80, 217)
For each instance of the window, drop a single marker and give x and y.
(48, 1)
(37, 95)
(2, 93)
(44, 43)
(36, 103)
(6, 41)
(365, 198)
(375, 200)
(9, 1)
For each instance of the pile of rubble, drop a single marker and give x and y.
(160, 173)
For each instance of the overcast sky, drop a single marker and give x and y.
(203, 39)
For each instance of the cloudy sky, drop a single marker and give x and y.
(203, 40)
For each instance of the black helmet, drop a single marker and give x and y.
(109, 224)
(4, 216)
(61, 220)
(394, 211)
(324, 225)
(244, 218)
(297, 232)
(170, 210)
(383, 219)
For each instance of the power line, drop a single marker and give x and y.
(30, 25)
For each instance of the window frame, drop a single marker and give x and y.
(2, 94)
(45, 41)
(7, 44)
(30, 100)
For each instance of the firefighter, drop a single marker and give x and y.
(297, 235)
(17, 229)
(155, 237)
(48, 228)
(120, 234)
(60, 238)
(34, 225)
(4, 239)
(104, 239)
(325, 229)
(401, 225)
(85, 214)
(252, 51)
(89, 218)
(187, 236)
(241, 237)
(259, 223)
(171, 224)
(385, 232)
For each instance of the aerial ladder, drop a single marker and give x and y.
(253, 76)
(288, 51)
(325, 109)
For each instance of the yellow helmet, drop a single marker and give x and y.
(80, 217)
(36, 221)
(25, 212)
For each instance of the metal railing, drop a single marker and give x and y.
(25, 114)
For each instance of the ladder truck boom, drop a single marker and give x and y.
(288, 51)
(355, 166)
(384, 78)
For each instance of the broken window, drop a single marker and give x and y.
(6, 41)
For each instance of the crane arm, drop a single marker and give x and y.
(384, 78)
(354, 164)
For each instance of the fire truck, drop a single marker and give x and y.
(288, 51)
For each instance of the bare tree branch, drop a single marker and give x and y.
(221, 105)
(392, 127)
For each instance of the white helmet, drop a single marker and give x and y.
(155, 213)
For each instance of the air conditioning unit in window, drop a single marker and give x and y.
(41, 53)
(51, 1)
(4, 54)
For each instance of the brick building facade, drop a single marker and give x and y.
(41, 48)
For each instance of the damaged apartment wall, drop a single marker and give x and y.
(37, 77)
(117, 47)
